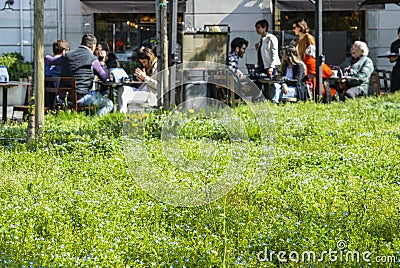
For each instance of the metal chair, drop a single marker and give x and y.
(384, 79)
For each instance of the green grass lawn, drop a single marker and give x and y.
(332, 189)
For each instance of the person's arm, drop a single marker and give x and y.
(232, 64)
(52, 60)
(362, 74)
(275, 52)
(99, 71)
(151, 82)
(393, 50)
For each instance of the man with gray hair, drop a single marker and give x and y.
(357, 71)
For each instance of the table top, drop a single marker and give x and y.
(389, 55)
(271, 81)
(14, 83)
(337, 78)
(110, 83)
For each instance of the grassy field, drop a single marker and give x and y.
(330, 197)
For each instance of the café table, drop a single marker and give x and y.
(337, 79)
(5, 86)
(389, 55)
(268, 93)
(116, 84)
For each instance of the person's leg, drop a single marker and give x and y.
(277, 92)
(291, 93)
(96, 99)
(125, 95)
(353, 92)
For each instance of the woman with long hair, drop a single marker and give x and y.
(147, 93)
(293, 69)
(305, 39)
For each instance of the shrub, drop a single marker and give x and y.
(17, 67)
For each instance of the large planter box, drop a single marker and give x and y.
(16, 96)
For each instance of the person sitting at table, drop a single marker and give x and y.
(293, 69)
(357, 71)
(83, 65)
(101, 52)
(310, 61)
(117, 73)
(59, 48)
(146, 93)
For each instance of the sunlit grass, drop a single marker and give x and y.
(73, 200)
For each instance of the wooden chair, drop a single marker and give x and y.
(224, 94)
(50, 86)
(25, 107)
(375, 83)
(51, 90)
(67, 87)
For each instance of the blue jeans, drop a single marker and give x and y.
(278, 94)
(94, 98)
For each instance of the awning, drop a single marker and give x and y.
(327, 5)
(374, 2)
(121, 6)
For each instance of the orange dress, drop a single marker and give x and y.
(311, 70)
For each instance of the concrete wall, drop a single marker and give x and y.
(382, 28)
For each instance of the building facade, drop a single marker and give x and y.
(126, 25)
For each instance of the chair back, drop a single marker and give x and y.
(384, 79)
(375, 83)
(28, 91)
(51, 90)
(67, 86)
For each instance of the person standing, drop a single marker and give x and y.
(395, 77)
(82, 64)
(267, 49)
(305, 40)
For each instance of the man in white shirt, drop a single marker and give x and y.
(267, 49)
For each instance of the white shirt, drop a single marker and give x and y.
(269, 51)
